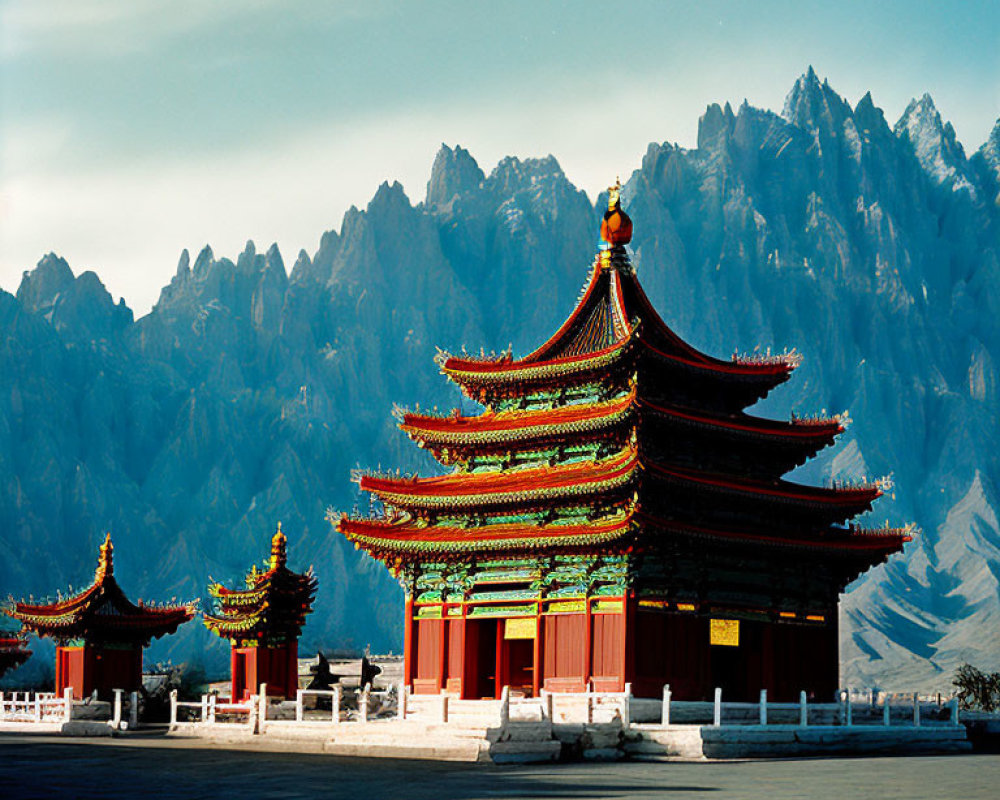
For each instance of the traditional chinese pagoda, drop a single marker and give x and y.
(615, 516)
(263, 623)
(99, 632)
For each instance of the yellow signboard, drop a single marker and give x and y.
(725, 632)
(519, 628)
(566, 607)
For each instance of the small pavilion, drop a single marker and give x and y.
(263, 623)
(100, 634)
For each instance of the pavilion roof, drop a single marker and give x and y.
(612, 319)
(102, 610)
(274, 602)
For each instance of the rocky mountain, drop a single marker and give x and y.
(248, 393)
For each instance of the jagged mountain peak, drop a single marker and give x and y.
(454, 172)
(184, 264)
(513, 174)
(934, 144)
(715, 125)
(388, 197)
(201, 264)
(40, 287)
(815, 106)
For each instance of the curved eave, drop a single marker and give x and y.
(783, 491)
(854, 541)
(380, 537)
(817, 432)
(480, 373)
(516, 426)
(152, 623)
(507, 488)
(769, 373)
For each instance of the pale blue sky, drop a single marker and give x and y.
(130, 129)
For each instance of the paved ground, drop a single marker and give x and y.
(146, 767)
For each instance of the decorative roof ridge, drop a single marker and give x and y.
(597, 468)
(894, 538)
(381, 536)
(781, 488)
(451, 363)
(750, 423)
(413, 419)
(734, 367)
(104, 588)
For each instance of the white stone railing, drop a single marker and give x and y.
(36, 707)
(842, 712)
(211, 707)
(133, 711)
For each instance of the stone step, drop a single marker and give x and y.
(382, 746)
(525, 752)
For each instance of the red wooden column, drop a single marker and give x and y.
(536, 676)
(588, 644)
(408, 654)
(500, 666)
(442, 667)
(629, 616)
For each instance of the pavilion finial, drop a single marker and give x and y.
(616, 227)
(278, 547)
(105, 560)
(614, 194)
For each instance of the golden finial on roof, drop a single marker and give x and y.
(616, 227)
(105, 560)
(614, 194)
(278, 544)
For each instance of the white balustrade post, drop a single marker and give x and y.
(627, 706)
(504, 706)
(886, 710)
(299, 708)
(916, 710)
(763, 706)
(38, 708)
(803, 709)
(953, 704)
(261, 709)
(363, 704)
(211, 708)
(133, 710)
(550, 705)
(173, 708)
(204, 708)
(848, 709)
(665, 707)
(717, 711)
(444, 707)
(336, 704)
(401, 702)
(67, 704)
(116, 717)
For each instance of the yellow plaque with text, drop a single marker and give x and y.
(519, 628)
(725, 632)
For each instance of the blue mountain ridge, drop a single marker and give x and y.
(248, 393)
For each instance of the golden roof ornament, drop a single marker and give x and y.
(105, 560)
(278, 544)
(616, 227)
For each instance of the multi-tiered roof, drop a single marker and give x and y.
(616, 434)
(102, 613)
(273, 606)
